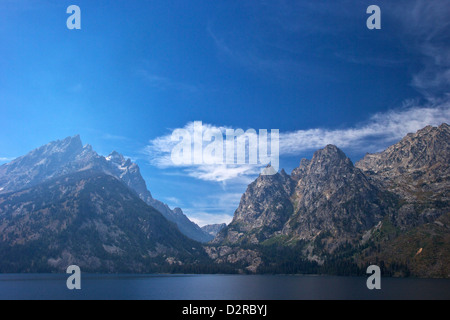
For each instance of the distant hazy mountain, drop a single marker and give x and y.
(392, 207)
(59, 158)
(213, 229)
(90, 219)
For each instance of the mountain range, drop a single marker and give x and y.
(64, 204)
(58, 158)
(390, 208)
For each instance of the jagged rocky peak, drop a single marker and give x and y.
(68, 156)
(88, 148)
(74, 141)
(50, 160)
(417, 170)
(268, 183)
(66, 147)
(326, 193)
(269, 175)
(264, 207)
(426, 148)
(268, 171)
(330, 156)
(329, 168)
(116, 157)
(333, 195)
(299, 172)
(177, 210)
(325, 162)
(123, 166)
(69, 143)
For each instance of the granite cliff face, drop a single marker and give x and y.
(332, 196)
(420, 155)
(332, 212)
(324, 195)
(416, 240)
(417, 170)
(263, 211)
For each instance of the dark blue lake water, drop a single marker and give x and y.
(217, 287)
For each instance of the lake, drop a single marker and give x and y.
(217, 287)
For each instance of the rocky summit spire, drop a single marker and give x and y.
(116, 157)
(40, 164)
(332, 195)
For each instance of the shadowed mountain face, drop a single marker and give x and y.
(68, 156)
(90, 219)
(388, 207)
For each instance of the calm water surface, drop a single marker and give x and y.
(217, 287)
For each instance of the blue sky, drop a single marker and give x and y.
(137, 70)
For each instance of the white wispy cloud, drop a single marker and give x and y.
(159, 150)
(426, 29)
(6, 159)
(172, 200)
(378, 132)
(164, 83)
(212, 167)
(381, 130)
(223, 173)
